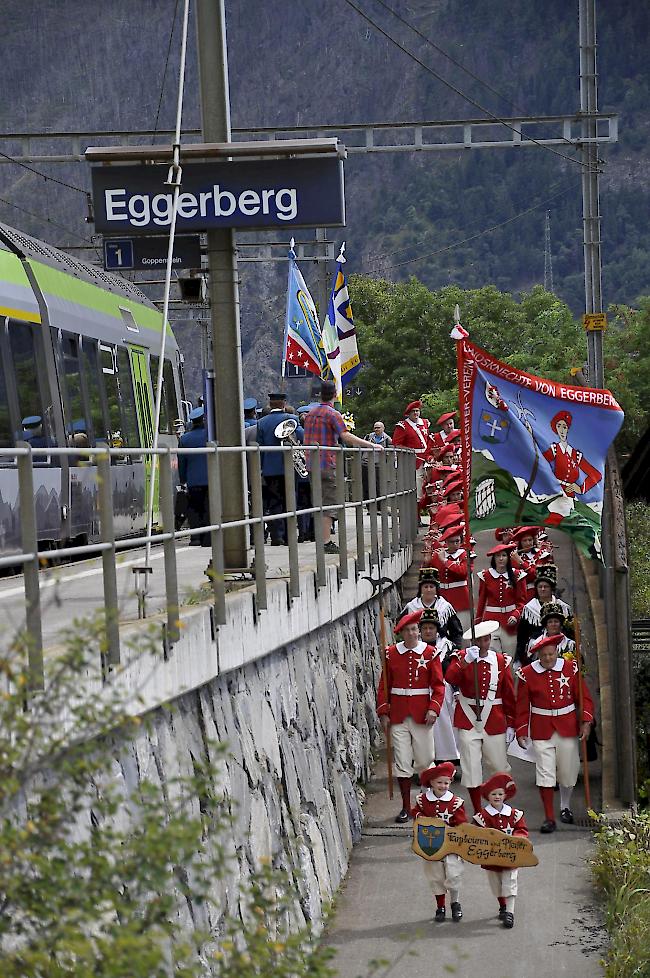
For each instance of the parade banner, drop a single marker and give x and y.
(534, 450)
(433, 839)
(302, 337)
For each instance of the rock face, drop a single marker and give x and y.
(299, 726)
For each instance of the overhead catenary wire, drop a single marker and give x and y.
(164, 77)
(467, 98)
(44, 176)
(174, 178)
(48, 220)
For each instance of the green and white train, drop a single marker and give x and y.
(78, 348)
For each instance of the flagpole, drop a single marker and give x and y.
(466, 453)
(283, 367)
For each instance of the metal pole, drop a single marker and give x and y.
(109, 572)
(317, 503)
(255, 460)
(217, 536)
(590, 187)
(292, 522)
(224, 290)
(382, 463)
(357, 496)
(341, 514)
(169, 548)
(29, 543)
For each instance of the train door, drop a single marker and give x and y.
(145, 411)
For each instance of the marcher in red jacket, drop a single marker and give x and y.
(498, 790)
(482, 737)
(547, 713)
(410, 705)
(502, 596)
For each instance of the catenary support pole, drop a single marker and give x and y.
(224, 289)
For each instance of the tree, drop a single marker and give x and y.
(96, 877)
(403, 331)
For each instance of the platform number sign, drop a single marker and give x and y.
(118, 254)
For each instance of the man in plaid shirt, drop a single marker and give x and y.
(325, 426)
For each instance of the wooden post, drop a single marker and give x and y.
(583, 742)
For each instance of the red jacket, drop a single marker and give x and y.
(415, 683)
(493, 671)
(529, 562)
(452, 570)
(498, 600)
(554, 691)
(450, 807)
(508, 820)
(567, 463)
(409, 435)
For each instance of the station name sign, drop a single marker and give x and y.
(249, 194)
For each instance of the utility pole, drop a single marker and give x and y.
(590, 186)
(223, 281)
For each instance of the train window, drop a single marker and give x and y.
(6, 431)
(109, 373)
(127, 398)
(128, 320)
(26, 352)
(73, 399)
(89, 357)
(168, 405)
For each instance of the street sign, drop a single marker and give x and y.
(594, 322)
(236, 194)
(146, 253)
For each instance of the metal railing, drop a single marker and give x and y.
(390, 502)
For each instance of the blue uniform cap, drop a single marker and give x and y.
(250, 404)
(32, 421)
(196, 413)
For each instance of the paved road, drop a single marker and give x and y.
(385, 907)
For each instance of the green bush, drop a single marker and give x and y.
(621, 870)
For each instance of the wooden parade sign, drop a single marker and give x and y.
(433, 839)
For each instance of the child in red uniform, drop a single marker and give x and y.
(439, 802)
(497, 815)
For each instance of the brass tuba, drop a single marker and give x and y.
(286, 432)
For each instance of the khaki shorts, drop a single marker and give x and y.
(328, 482)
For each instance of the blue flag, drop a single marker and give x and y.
(534, 450)
(340, 315)
(302, 335)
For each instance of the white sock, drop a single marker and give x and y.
(565, 797)
(510, 904)
(453, 896)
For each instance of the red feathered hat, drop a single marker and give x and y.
(455, 530)
(445, 417)
(412, 406)
(456, 433)
(524, 531)
(499, 781)
(543, 642)
(501, 548)
(411, 619)
(565, 416)
(444, 770)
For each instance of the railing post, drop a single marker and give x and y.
(372, 506)
(413, 497)
(257, 505)
(29, 543)
(383, 505)
(357, 496)
(292, 522)
(166, 485)
(402, 507)
(392, 481)
(343, 528)
(317, 503)
(216, 510)
(109, 571)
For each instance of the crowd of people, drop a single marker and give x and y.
(469, 687)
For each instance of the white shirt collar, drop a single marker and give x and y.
(538, 667)
(457, 553)
(419, 648)
(495, 573)
(493, 811)
(448, 795)
(490, 657)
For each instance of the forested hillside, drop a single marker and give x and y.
(80, 64)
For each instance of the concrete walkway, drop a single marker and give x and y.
(385, 907)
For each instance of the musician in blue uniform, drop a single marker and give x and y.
(273, 495)
(193, 472)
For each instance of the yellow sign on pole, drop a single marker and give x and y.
(595, 321)
(433, 839)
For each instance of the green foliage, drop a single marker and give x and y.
(96, 876)
(404, 341)
(621, 870)
(637, 514)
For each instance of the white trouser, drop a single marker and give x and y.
(445, 874)
(412, 747)
(558, 761)
(475, 747)
(444, 736)
(503, 884)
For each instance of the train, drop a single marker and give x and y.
(79, 358)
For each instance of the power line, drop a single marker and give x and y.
(45, 176)
(494, 227)
(467, 98)
(47, 220)
(446, 55)
(164, 77)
